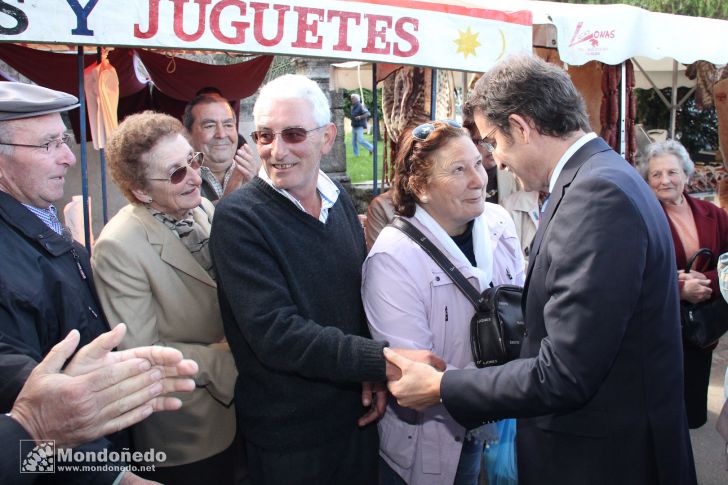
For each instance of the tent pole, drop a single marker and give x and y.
(84, 165)
(433, 95)
(103, 164)
(623, 111)
(375, 128)
(673, 100)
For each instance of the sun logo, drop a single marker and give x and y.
(467, 42)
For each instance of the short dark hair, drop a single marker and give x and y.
(414, 162)
(534, 89)
(208, 90)
(188, 120)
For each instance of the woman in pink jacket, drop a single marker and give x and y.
(412, 303)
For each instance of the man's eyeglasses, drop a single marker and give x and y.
(194, 161)
(294, 134)
(424, 130)
(490, 146)
(55, 144)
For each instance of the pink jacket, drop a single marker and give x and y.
(411, 303)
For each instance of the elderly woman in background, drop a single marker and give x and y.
(694, 224)
(154, 272)
(412, 303)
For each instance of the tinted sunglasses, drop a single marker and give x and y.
(194, 161)
(423, 131)
(294, 134)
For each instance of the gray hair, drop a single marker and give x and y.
(295, 86)
(667, 147)
(534, 89)
(7, 133)
(355, 97)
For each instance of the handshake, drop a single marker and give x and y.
(413, 378)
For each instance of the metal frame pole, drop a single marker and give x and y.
(104, 201)
(84, 164)
(375, 128)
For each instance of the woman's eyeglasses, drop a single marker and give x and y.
(194, 161)
(424, 130)
(294, 134)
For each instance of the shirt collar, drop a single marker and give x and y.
(327, 189)
(210, 178)
(49, 216)
(567, 155)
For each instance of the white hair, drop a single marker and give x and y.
(667, 147)
(295, 86)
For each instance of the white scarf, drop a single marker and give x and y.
(481, 245)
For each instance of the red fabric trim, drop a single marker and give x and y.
(521, 17)
(181, 78)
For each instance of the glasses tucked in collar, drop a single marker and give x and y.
(54, 144)
(424, 130)
(295, 134)
(194, 161)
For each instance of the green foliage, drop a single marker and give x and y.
(697, 129)
(361, 168)
(717, 9)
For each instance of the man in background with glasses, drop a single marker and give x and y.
(213, 130)
(288, 249)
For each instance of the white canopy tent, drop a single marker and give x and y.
(660, 45)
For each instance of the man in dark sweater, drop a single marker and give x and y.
(288, 249)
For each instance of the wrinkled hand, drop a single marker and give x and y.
(245, 163)
(99, 353)
(417, 355)
(75, 409)
(374, 396)
(695, 288)
(419, 386)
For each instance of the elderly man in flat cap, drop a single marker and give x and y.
(46, 290)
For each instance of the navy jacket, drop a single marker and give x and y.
(599, 387)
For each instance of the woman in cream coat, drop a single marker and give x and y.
(153, 272)
(411, 303)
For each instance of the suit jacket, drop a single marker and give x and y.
(148, 279)
(599, 386)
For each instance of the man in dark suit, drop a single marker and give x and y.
(598, 388)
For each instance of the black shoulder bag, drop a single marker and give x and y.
(705, 322)
(497, 328)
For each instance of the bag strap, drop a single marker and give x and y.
(455, 275)
(700, 252)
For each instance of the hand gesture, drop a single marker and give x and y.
(419, 385)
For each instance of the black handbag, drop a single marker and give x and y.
(497, 329)
(705, 322)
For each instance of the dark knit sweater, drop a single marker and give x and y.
(289, 289)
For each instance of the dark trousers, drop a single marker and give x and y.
(349, 460)
(696, 365)
(217, 469)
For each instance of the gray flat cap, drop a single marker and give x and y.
(21, 100)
